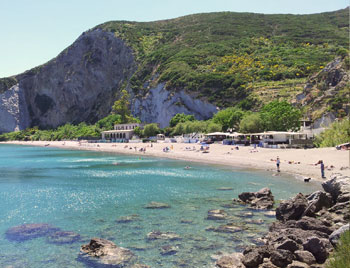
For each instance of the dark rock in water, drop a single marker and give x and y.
(292, 209)
(305, 256)
(281, 257)
(216, 214)
(168, 250)
(334, 237)
(127, 219)
(157, 205)
(317, 247)
(155, 235)
(104, 253)
(186, 221)
(224, 189)
(230, 261)
(262, 199)
(29, 231)
(228, 228)
(63, 237)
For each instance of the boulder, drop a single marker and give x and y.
(292, 209)
(281, 257)
(156, 235)
(262, 199)
(334, 237)
(308, 223)
(29, 231)
(233, 260)
(217, 214)
(104, 252)
(287, 244)
(298, 264)
(267, 264)
(252, 259)
(317, 201)
(157, 205)
(317, 247)
(305, 256)
(337, 185)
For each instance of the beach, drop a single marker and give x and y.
(299, 162)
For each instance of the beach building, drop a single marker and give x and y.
(121, 132)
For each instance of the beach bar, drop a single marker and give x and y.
(121, 132)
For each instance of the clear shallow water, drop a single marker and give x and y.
(86, 193)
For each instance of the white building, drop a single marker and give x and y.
(121, 131)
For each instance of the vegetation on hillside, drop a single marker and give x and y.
(341, 257)
(220, 56)
(337, 133)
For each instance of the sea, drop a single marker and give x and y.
(82, 194)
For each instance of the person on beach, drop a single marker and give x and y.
(278, 164)
(322, 169)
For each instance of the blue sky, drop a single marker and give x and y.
(34, 31)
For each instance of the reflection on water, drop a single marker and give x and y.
(88, 194)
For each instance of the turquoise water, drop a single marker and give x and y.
(86, 193)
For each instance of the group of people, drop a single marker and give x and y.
(320, 162)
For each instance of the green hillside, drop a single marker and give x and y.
(225, 57)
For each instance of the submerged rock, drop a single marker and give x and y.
(157, 205)
(104, 252)
(63, 237)
(29, 231)
(168, 250)
(228, 228)
(127, 219)
(224, 189)
(155, 235)
(217, 214)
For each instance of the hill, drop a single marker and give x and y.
(190, 64)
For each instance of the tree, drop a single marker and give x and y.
(121, 106)
(251, 123)
(151, 130)
(180, 118)
(138, 131)
(228, 118)
(213, 127)
(338, 133)
(280, 116)
(109, 121)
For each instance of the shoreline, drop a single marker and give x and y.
(296, 162)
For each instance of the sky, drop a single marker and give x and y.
(34, 31)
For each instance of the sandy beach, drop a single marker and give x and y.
(293, 161)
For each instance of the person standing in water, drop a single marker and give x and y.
(278, 164)
(322, 169)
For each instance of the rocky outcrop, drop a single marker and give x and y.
(104, 253)
(261, 199)
(79, 85)
(307, 229)
(160, 105)
(13, 110)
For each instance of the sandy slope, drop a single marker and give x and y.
(245, 157)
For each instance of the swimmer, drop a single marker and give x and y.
(187, 167)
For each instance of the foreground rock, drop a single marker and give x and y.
(262, 199)
(104, 253)
(29, 231)
(307, 229)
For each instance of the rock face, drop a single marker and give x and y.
(160, 105)
(13, 110)
(261, 199)
(78, 85)
(104, 253)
